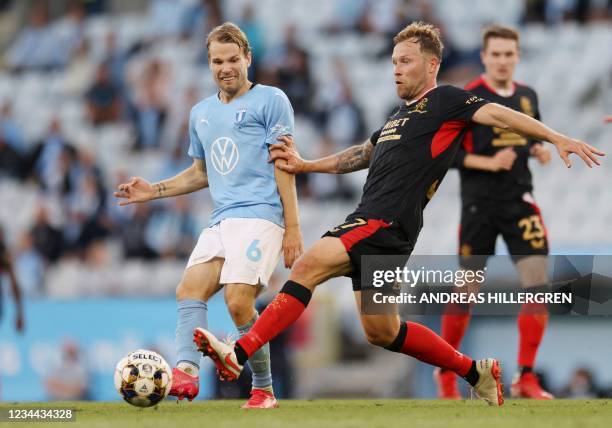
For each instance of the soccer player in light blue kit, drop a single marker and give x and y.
(255, 215)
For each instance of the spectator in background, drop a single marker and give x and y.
(34, 47)
(10, 130)
(68, 33)
(69, 379)
(151, 93)
(12, 163)
(255, 35)
(50, 158)
(178, 160)
(200, 19)
(48, 240)
(292, 65)
(166, 16)
(116, 59)
(172, 232)
(81, 70)
(103, 98)
(85, 208)
(29, 267)
(177, 127)
(535, 11)
(348, 16)
(134, 234)
(380, 16)
(343, 118)
(6, 269)
(342, 122)
(581, 386)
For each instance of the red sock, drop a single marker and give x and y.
(531, 324)
(284, 309)
(455, 321)
(425, 345)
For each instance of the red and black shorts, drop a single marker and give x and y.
(369, 237)
(518, 221)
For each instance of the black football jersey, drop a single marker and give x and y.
(413, 151)
(487, 140)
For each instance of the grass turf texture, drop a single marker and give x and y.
(335, 413)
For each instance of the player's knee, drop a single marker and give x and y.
(380, 336)
(300, 267)
(241, 310)
(304, 270)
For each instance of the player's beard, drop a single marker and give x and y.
(409, 93)
(234, 86)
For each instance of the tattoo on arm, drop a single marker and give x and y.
(354, 158)
(160, 188)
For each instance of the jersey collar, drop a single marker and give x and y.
(416, 99)
(493, 90)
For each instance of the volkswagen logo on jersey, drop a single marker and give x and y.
(224, 155)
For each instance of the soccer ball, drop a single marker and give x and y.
(143, 378)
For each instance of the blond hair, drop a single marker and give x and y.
(426, 35)
(229, 32)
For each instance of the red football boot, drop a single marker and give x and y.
(184, 385)
(446, 382)
(261, 399)
(528, 386)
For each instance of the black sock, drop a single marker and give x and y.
(525, 369)
(397, 344)
(241, 354)
(472, 375)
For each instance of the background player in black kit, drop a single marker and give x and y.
(496, 199)
(407, 158)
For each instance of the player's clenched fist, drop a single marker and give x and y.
(136, 190)
(541, 153)
(503, 160)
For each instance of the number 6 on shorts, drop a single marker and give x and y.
(253, 252)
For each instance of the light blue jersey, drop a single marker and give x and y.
(233, 139)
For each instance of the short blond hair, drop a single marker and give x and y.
(499, 32)
(228, 32)
(426, 35)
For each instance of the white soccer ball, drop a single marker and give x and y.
(143, 378)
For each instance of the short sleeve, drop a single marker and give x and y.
(195, 145)
(374, 137)
(278, 117)
(459, 104)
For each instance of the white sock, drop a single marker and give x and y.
(189, 368)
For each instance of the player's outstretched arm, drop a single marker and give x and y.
(354, 158)
(293, 244)
(140, 190)
(497, 115)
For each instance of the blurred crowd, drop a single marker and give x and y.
(132, 85)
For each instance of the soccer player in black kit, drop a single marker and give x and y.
(496, 199)
(407, 158)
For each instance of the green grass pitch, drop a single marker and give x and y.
(335, 413)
